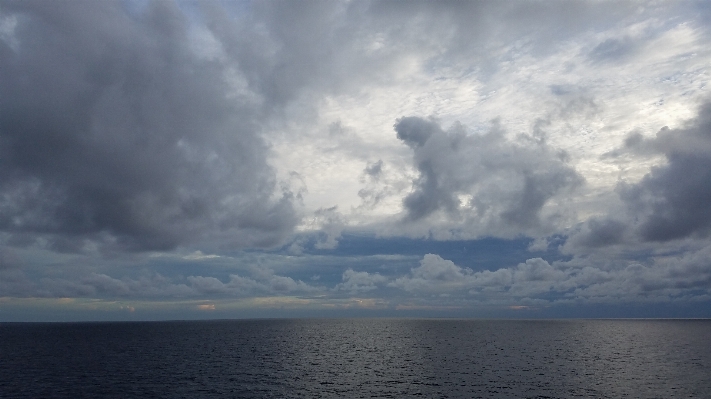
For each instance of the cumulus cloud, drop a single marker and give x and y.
(99, 285)
(360, 281)
(435, 275)
(661, 278)
(331, 224)
(265, 282)
(670, 202)
(596, 233)
(482, 179)
(114, 130)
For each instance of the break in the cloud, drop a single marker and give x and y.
(346, 155)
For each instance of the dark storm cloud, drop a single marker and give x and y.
(672, 201)
(508, 181)
(113, 129)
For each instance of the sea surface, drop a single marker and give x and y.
(357, 358)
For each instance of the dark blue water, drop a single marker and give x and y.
(358, 358)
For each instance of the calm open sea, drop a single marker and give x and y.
(358, 358)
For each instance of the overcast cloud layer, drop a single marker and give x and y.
(242, 159)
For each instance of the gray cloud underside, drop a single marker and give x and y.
(662, 279)
(483, 179)
(671, 202)
(113, 130)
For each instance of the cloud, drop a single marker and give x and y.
(435, 275)
(612, 49)
(114, 130)
(13, 281)
(670, 202)
(380, 184)
(207, 285)
(672, 199)
(331, 225)
(597, 232)
(375, 169)
(484, 179)
(264, 282)
(360, 281)
(162, 151)
(156, 286)
(660, 279)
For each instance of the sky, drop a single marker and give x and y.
(190, 160)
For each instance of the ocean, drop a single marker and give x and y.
(357, 358)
